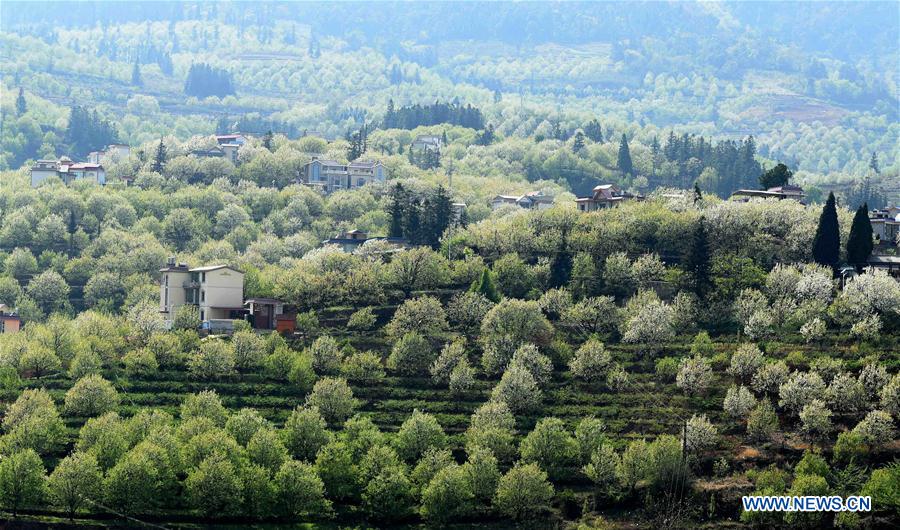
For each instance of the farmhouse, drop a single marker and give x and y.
(602, 197)
(533, 200)
(218, 293)
(788, 191)
(886, 225)
(113, 152)
(427, 143)
(10, 322)
(353, 239)
(330, 175)
(67, 170)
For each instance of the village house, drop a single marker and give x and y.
(112, 152)
(886, 225)
(788, 191)
(353, 239)
(604, 196)
(330, 175)
(67, 171)
(218, 293)
(230, 144)
(10, 322)
(533, 200)
(427, 143)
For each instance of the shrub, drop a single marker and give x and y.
(762, 422)
(249, 350)
(849, 447)
(876, 429)
(738, 402)
(666, 369)
(745, 361)
(308, 323)
(326, 356)
(694, 375)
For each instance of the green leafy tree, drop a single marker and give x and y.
(551, 446)
(697, 261)
(523, 492)
(305, 432)
(779, 175)
(22, 480)
(75, 482)
(214, 487)
(300, 491)
(419, 433)
(448, 495)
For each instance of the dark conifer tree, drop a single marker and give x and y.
(267, 140)
(159, 160)
(594, 131)
(859, 244)
(698, 195)
(827, 242)
(624, 161)
(21, 106)
(136, 79)
(578, 144)
(485, 286)
(561, 264)
(396, 210)
(777, 176)
(697, 261)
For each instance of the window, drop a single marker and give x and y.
(202, 295)
(202, 276)
(202, 315)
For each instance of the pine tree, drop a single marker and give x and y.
(485, 286)
(578, 145)
(859, 244)
(697, 261)
(21, 106)
(624, 163)
(136, 79)
(159, 161)
(267, 140)
(873, 163)
(827, 242)
(698, 195)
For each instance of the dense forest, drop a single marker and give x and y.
(711, 71)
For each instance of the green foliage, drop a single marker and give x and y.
(826, 243)
(523, 492)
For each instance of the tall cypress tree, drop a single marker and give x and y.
(697, 261)
(859, 245)
(827, 243)
(624, 163)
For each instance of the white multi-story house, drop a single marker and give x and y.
(112, 152)
(427, 142)
(330, 175)
(67, 170)
(216, 290)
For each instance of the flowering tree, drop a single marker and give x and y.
(700, 434)
(800, 389)
(694, 376)
(739, 401)
(745, 361)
